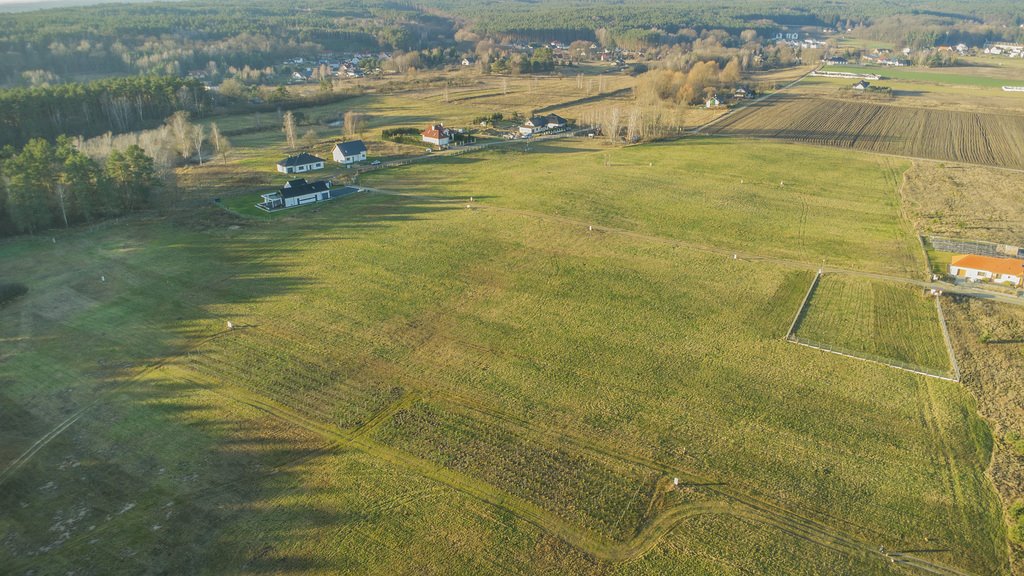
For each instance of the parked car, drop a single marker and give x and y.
(375, 163)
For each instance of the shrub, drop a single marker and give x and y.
(396, 134)
(9, 292)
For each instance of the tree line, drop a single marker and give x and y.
(110, 105)
(176, 38)
(46, 184)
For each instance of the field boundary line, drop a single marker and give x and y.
(798, 342)
(803, 305)
(905, 217)
(946, 338)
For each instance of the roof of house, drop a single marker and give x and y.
(863, 83)
(300, 160)
(435, 131)
(556, 119)
(537, 121)
(1012, 266)
(295, 183)
(291, 191)
(351, 148)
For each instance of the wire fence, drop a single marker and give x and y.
(791, 336)
(874, 358)
(946, 338)
(803, 307)
(979, 247)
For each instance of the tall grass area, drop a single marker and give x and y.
(395, 360)
(881, 320)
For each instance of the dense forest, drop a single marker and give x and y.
(51, 46)
(114, 105)
(174, 38)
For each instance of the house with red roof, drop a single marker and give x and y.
(437, 135)
(976, 268)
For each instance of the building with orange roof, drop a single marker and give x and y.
(437, 135)
(975, 268)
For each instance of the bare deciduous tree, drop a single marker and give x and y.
(612, 124)
(289, 129)
(198, 136)
(221, 144)
(182, 130)
(354, 123)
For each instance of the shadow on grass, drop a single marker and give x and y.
(160, 474)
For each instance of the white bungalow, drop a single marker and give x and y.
(302, 163)
(977, 268)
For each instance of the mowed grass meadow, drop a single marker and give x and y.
(880, 320)
(769, 199)
(408, 378)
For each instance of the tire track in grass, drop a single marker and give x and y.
(107, 393)
(737, 503)
(732, 503)
(41, 443)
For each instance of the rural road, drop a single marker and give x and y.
(732, 111)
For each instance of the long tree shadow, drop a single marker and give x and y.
(156, 472)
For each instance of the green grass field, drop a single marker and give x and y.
(417, 386)
(880, 320)
(930, 76)
(769, 199)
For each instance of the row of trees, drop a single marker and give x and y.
(45, 185)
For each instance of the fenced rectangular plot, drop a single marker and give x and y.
(880, 321)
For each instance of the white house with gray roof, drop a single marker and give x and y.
(349, 152)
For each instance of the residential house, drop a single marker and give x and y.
(744, 93)
(974, 268)
(437, 135)
(862, 85)
(712, 102)
(467, 62)
(296, 193)
(538, 124)
(349, 152)
(302, 163)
